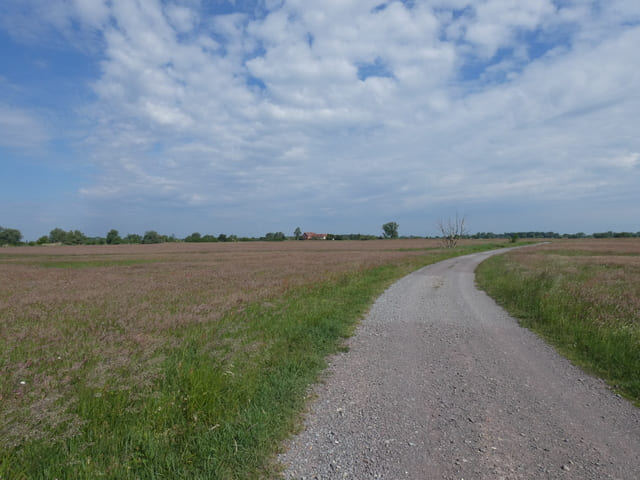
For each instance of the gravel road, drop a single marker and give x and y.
(440, 383)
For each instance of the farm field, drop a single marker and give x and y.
(583, 296)
(175, 360)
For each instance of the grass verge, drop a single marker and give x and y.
(228, 393)
(584, 304)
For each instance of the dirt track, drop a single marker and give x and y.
(440, 383)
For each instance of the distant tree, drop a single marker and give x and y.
(275, 237)
(72, 237)
(168, 238)
(75, 237)
(10, 236)
(151, 236)
(208, 238)
(132, 238)
(194, 237)
(95, 241)
(57, 235)
(297, 233)
(390, 230)
(222, 237)
(113, 237)
(43, 239)
(452, 230)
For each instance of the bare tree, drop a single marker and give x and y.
(452, 231)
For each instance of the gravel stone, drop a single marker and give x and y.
(440, 383)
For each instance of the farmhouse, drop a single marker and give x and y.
(314, 236)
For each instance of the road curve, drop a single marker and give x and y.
(440, 383)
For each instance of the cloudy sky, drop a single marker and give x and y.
(250, 116)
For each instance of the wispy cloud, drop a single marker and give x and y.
(22, 129)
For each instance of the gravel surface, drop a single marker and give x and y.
(440, 383)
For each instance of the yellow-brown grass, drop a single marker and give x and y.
(104, 313)
(582, 295)
(603, 272)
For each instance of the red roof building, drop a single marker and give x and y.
(314, 236)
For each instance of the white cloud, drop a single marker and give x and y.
(21, 129)
(182, 18)
(490, 25)
(166, 115)
(248, 112)
(94, 13)
(313, 96)
(625, 161)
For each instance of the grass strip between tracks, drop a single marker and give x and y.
(229, 391)
(584, 303)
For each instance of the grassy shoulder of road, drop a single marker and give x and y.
(223, 395)
(582, 297)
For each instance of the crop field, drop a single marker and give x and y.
(581, 295)
(175, 360)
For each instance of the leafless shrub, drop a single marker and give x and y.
(451, 231)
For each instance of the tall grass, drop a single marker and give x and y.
(585, 304)
(227, 392)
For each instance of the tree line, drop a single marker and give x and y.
(12, 236)
(609, 234)
(59, 236)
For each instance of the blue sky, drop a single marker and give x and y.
(247, 117)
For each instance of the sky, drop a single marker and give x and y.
(252, 116)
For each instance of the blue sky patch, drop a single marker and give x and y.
(377, 68)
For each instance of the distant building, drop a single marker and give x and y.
(314, 236)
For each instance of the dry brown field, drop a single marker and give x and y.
(603, 272)
(604, 246)
(103, 312)
(105, 321)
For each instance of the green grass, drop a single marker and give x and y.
(585, 310)
(228, 394)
